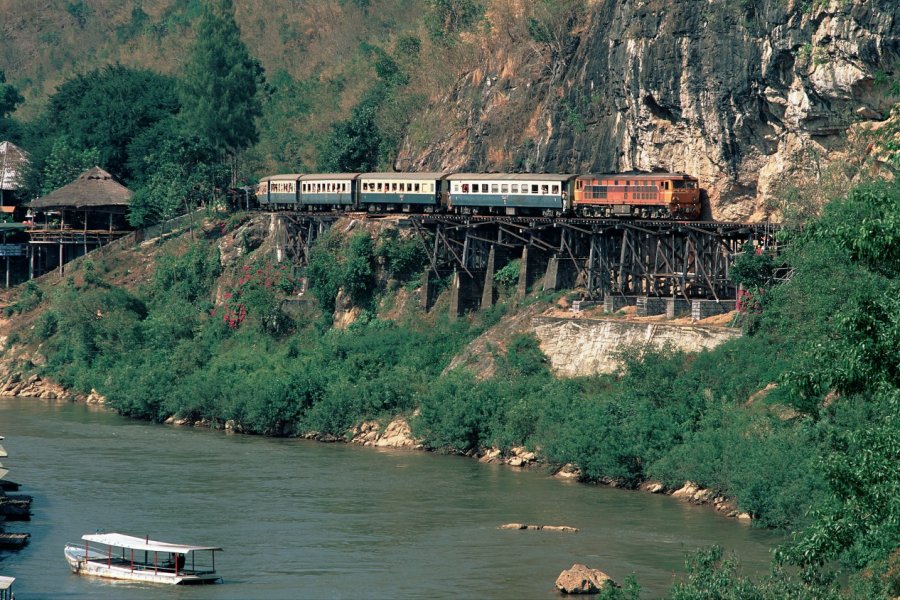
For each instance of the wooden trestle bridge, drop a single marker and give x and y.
(614, 260)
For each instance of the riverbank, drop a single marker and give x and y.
(398, 435)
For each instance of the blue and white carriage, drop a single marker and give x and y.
(510, 194)
(406, 192)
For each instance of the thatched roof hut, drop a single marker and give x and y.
(12, 162)
(95, 190)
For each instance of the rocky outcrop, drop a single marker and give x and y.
(694, 494)
(33, 386)
(580, 579)
(523, 526)
(582, 347)
(745, 95)
(397, 434)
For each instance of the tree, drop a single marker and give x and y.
(10, 97)
(184, 174)
(446, 19)
(108, 108)
(65, 163)
(219, 90)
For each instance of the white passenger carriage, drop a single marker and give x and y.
(129, 558)
(511, 194)
(328, 191)
(406, 192)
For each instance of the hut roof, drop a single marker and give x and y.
(93, 188)
(12, 162)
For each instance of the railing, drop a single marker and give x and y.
(126, 240)
(125, 558)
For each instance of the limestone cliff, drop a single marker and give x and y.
(746, 94)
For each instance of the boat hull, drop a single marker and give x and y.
(96, 565)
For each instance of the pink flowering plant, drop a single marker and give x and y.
(257, 295)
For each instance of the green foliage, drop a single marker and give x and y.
(219, 88)
(106, 109)
(10, 97)
(446, 19)
(183, 173)
(80, 11)
(402, 259)
(353, 145)
(508, 276)
(30, 297)
(66, 163)
(333, 268)
(752, 270)
(188, 277)
(139, 23)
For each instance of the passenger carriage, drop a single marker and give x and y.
(278, 192)
(510, 194)
(643, 195)
(406, 192)
(328, 191)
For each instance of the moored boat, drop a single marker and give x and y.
(119, 556)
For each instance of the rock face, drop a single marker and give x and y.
(589, 347)
(742, 94)
(583, 580)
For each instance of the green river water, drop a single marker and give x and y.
(302, 519)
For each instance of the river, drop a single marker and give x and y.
(302, 519)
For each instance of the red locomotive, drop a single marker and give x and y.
(642, 195)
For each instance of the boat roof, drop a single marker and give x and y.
(6, 582)
(135, 543)
(511, 176)
(3, 472)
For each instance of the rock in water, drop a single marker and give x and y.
(581, 579)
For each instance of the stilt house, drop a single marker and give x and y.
(78, 217)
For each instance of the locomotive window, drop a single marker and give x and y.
(504, 189)
(555, 189)
(515, 188)
(494, 188)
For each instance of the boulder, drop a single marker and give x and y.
(581, 579)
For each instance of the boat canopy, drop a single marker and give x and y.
(135, 543)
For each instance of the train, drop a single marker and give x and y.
(616, 195)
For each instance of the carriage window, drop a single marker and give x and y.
(484, 188)
(534, 189)
(504, 189)
(515, 188)
(393, 187)
(465, 188)
(545, 189)
(416, 187)
(430, 187)
(494, 189)
(555, 189)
